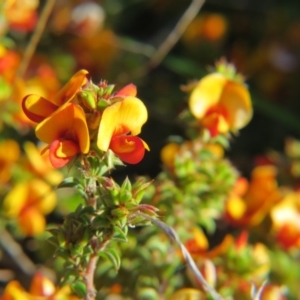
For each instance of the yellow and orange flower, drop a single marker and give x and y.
(40, 165)
(38, 108)
(9, 154)
(120, 124)
(66, 132)
(249, 203)
(41, 288)
(29, 202)
(21, 15)
(286, 221)
(221, 104)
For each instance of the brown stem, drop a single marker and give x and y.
(176, 33)
(91, 267)
(89, 277)
(29, 51)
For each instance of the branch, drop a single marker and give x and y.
(175, 34)
(189, 260)
(31, 47)
(16, 252)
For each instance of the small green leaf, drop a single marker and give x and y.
(100, 222)
(119, 234)
(70, 182)
(79, 289)
(113, 256)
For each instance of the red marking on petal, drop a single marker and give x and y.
(128, 90)
(57, 162)
(130, 149)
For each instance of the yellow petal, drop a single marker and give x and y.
(9, 150)
(42, 196)
(68, 92)
(129, 114)
(206, 94)
(14, 291)
(68, 123)
(41, 164)
(37, 108)
(237, 103)
(168, 153)
(188, 294)
(16, 199)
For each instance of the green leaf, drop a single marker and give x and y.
(100, 222)
(70, 182)
(119, 234)
(113, 256)
(79, 289)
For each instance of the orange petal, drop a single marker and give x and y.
(68, 123)
(236, 100)
(37, 108)
(32, 222)
(206, 94)
(68, 92)
(128, 90)
(130, 149)
(130, 113)
(41, 286)
(61, 152)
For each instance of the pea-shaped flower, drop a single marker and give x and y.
(221, 104)
(120, 124)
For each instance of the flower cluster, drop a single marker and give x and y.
(83, 118)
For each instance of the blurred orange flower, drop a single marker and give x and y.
(198, 245)
(21, 15)
(29, 202)
(9, 154)
(249, 203)
(40, 165)
(120, 124)
(41, 288)
(66, 132)
(221, 104)
(38, 108)
(285, 216)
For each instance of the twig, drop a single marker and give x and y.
(189, 260)
(175, 34)
(30, 49)
(16, 253)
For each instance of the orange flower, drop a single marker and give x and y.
(22, 15)
(221, 104)
(40, 165)
(9, 154)
(120, 124)
(66, 132)
(286, 221)
(41, 288)
(29, 202)
(249, 203)
(38, 108)
(198, 245)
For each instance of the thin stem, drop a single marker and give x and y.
(16, 252)
(176, 33)
(31, 47)
(188, 258)
(89, 277)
